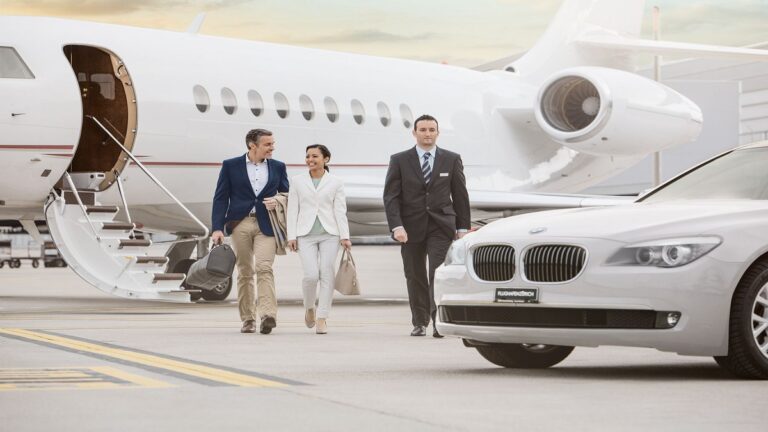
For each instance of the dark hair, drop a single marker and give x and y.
(324, 150)
(425, 117)
(253, 136)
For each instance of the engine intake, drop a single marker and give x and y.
(605, 111)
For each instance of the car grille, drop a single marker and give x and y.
(510, 316)
(553, 263)
(494, 263)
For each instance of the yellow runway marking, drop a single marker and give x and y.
(73, 378)
(153, 361)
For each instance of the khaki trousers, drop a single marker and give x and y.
(255, 254)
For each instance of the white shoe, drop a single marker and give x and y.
(322, 327)
(309, 318)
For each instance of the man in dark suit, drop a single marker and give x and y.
(427, 206)
(246, 184)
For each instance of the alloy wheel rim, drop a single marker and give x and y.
(760, 320)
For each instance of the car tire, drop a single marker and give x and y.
(183, 267)
(35, 263)
(221, 292)
(524, 356)
(748, 326)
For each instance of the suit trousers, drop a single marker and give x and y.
(318, 257)
(255, 253)
(420, 278)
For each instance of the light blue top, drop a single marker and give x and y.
(317, 228)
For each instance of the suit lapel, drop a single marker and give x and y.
(242, 172)
(413, 159)
(441, 164)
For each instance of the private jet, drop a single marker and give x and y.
(110, 132)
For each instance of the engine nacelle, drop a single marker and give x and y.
(605, 111)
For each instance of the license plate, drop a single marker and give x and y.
(517, 295)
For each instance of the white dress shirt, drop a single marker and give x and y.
(258, 174)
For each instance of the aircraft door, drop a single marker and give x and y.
(109, 105)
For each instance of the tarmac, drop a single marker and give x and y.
(75, 359)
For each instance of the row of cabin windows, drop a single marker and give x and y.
(306, 106)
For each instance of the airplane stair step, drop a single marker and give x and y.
(147, 263)
(116, 230)
(100, 251)
(100, 213)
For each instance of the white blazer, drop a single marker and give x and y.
(327, 202)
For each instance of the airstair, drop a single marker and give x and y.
(110, 254)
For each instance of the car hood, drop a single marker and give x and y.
(631, 222)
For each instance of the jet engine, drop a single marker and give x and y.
(605, 111)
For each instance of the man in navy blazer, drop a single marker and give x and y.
(246, 184)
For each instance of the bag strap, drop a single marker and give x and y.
(348, 254)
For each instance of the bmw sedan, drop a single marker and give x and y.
(682, 269)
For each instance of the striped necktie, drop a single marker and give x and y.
(425, 169)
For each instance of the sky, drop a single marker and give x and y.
(458, 32)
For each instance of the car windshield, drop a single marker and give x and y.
(740, 174)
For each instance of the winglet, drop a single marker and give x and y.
(196, 24)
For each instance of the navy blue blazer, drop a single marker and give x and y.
(234, 197)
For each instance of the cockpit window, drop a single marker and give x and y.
(12, 66)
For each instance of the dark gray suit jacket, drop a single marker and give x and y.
(410, 202)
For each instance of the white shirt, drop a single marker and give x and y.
(421, 153)
(258, 174)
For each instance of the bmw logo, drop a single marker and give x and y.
(537, 230)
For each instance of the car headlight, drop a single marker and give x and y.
(457, 253)
(665, 253)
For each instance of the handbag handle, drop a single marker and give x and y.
(349, 254)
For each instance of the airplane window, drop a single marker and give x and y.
(202, 101)
(257, 104)
(307, 107)
(229, 101)
(331, 109)
(406, 115)
(281, 105)
(384, 114)
(12, 66)
(358, 112)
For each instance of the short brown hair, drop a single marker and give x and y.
(253, 136)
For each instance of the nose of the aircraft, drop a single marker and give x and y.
(40, 121)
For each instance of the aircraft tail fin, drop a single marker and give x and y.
(606, 33)
(559, 48)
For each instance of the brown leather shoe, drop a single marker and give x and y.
(267, 324)
(249, 326)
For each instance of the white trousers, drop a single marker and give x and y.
(318, 258)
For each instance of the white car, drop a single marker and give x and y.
(683, 269)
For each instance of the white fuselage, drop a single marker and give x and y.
(486, 117)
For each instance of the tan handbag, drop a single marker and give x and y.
(346, 277)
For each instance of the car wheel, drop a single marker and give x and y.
(524, 356)
(16, 263)
(183, 267)
(35, 263)
(748, 327)
(221, 292)
(2, 264)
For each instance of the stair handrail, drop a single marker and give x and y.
(80, 203)
(156, 181)
(122, 196)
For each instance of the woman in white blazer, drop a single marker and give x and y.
(317, 225)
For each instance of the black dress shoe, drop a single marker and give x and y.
(435, 333)
(419, 331)
(267, 324)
